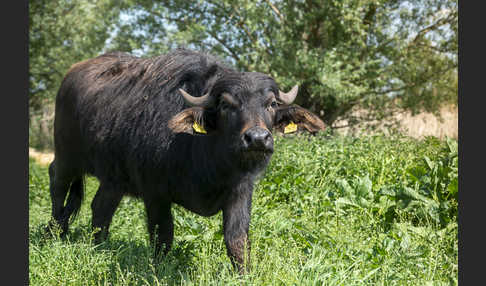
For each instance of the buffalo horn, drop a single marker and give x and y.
(201, 101)
(289, 97)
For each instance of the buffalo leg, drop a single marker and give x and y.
(160, 225)
(236, 222)
(58, 187)
(103, 207)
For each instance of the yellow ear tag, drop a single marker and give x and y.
(291, 127)
(198, 128)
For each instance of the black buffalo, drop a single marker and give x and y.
(129, 122)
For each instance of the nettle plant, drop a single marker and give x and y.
(429, 192)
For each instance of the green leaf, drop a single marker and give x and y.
(346, 201)
(344, 187)
(429, 162)
(364, 188)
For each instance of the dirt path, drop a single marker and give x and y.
(41, 158)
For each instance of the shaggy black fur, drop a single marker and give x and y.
(123, 120)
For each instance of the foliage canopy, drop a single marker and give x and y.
(376, 56)
(61, 33)
(380, 56)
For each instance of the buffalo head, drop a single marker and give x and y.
(243, 108)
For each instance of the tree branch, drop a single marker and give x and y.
(441, 21)
(275, 10)
(257, 45)
(367, 20)
(230, 49)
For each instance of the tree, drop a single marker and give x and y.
(379, 56)
(62, 32)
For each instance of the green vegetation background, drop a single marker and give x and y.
(372, 210)
(357, 63)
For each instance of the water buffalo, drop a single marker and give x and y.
(179, 128)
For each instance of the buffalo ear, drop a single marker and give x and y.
(289, 116)
(194, 120)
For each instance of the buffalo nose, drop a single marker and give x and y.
(257, 138)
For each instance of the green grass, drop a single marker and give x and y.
(329, 211)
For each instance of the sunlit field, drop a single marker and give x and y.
(369, 210)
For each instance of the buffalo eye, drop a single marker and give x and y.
(226, 107)
(273, 104)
